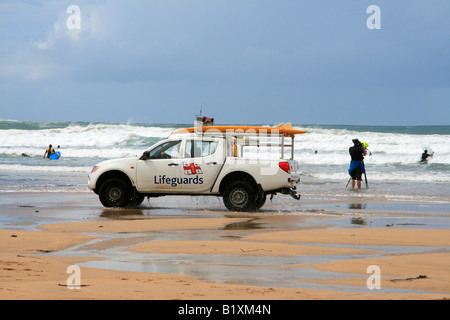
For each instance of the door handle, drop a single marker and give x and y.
(173, 164)
(212, 163)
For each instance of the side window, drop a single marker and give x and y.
(208, 147)
(167, 150)
(200, 148)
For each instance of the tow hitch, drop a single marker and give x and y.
(292, 192)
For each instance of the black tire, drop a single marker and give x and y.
(259, 202)
(239, 196)
(137, 199)
(114, 193)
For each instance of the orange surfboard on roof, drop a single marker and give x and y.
(284, 129)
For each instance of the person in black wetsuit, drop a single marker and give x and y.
(425, 156)
(357, 153)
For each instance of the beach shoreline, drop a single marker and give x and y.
(174, 248)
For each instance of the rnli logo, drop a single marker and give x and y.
(191, 168)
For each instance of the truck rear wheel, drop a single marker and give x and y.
(239, 196)
(259, 202)
(114, 193)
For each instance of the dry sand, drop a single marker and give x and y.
(29, 268)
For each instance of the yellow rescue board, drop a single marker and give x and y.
(245, 129)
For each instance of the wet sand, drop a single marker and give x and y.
(193, 249)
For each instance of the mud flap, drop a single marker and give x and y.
(260, 191)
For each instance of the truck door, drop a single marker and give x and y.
(159, 170)
(202, 162)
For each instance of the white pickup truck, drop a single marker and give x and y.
(200, 162)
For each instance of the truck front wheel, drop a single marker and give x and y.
(114, 193)
(137, 200)
(239, 196)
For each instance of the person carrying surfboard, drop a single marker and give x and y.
(356, 169)
(49, 151)
(425, 155)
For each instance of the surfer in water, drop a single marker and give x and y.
(425, 155)
(357, 153)
(49, 151)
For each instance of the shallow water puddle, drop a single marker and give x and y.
(246, 269)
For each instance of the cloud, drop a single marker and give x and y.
(68, 28)
(236, 55)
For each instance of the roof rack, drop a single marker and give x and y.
(205, 126)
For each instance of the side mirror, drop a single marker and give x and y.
(145, 155)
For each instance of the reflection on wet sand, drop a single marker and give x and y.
(303, 246)
(357, 206)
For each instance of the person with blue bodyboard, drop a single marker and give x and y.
(51, 154)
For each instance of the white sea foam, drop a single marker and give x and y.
(99, 136)
(322, 151)
(24, 168)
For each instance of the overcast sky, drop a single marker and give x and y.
(244, 61)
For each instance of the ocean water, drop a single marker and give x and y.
(393, 168)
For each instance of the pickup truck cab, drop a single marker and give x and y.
(203, 160)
